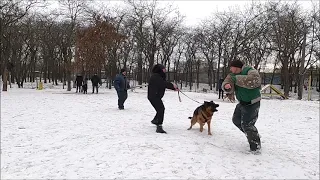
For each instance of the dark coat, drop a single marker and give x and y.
(220, 83)
(95, 80)
(157, 83)
(79, 80)
(120, 83)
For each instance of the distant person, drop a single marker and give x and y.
(79, 80)
(95, 82)
(220, 89)
(121, 85)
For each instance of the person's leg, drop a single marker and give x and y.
(249, 116)
(120, 101)
(236, 118)
(158, 105)
(124, 97)
(155, 120)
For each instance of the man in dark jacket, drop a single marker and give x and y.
(220, 89)
(246, 83)
(156, 89)
(95, 81)
(121, 85)
(79, 80)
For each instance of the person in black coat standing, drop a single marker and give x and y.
(220, 88)
(156, 89)
(95, 82)
(79, 80)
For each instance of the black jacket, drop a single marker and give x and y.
(95, 80)
(157, 83)
(79, 80)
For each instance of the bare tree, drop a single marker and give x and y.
(72, 9)
(11, 13)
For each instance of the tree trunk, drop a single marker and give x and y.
(209, 78)
(5, 79)
(286, 77)
(301, 70)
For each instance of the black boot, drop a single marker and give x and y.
(254, 141)
(159, 129)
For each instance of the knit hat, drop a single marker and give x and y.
(122, 70)
(236, 63)
(158, 68)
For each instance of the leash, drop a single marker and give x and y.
(187, 97)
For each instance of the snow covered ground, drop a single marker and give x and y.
(57, 134)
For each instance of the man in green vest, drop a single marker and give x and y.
(246, 83)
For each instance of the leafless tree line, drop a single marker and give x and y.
(45, 45)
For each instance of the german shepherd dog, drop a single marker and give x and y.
(203, 114)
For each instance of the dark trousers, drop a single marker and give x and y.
(95, 87)
(245, 117)
(220, 94)
(159, 107)
(78, 87)
(122, 97)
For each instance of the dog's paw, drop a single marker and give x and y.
(209, 134)
(189, 128)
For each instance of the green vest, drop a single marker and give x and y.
(244, 94)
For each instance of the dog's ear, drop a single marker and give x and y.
(205, 102)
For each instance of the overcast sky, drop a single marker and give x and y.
(196, 10)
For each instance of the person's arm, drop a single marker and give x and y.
(250, 81)
(116, 83)
(169, 85)
(228, 81)
(128, 85)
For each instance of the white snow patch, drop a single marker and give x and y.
(58, 134)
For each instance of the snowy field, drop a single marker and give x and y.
(57, 134)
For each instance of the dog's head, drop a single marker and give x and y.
(211, 106)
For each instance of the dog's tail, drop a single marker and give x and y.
(189, 117)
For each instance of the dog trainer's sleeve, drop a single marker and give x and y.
(250, 81)
(228, 80)
(169, 85)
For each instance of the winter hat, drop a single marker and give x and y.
(236, 63)
(158, 68)
(123, 70)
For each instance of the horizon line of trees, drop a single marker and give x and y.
(79, 38)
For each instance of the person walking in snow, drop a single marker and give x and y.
(121, 85)
(156, 89)
(246, 83)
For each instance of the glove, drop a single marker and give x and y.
(175, 87)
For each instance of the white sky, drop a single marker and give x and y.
(194, 11)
